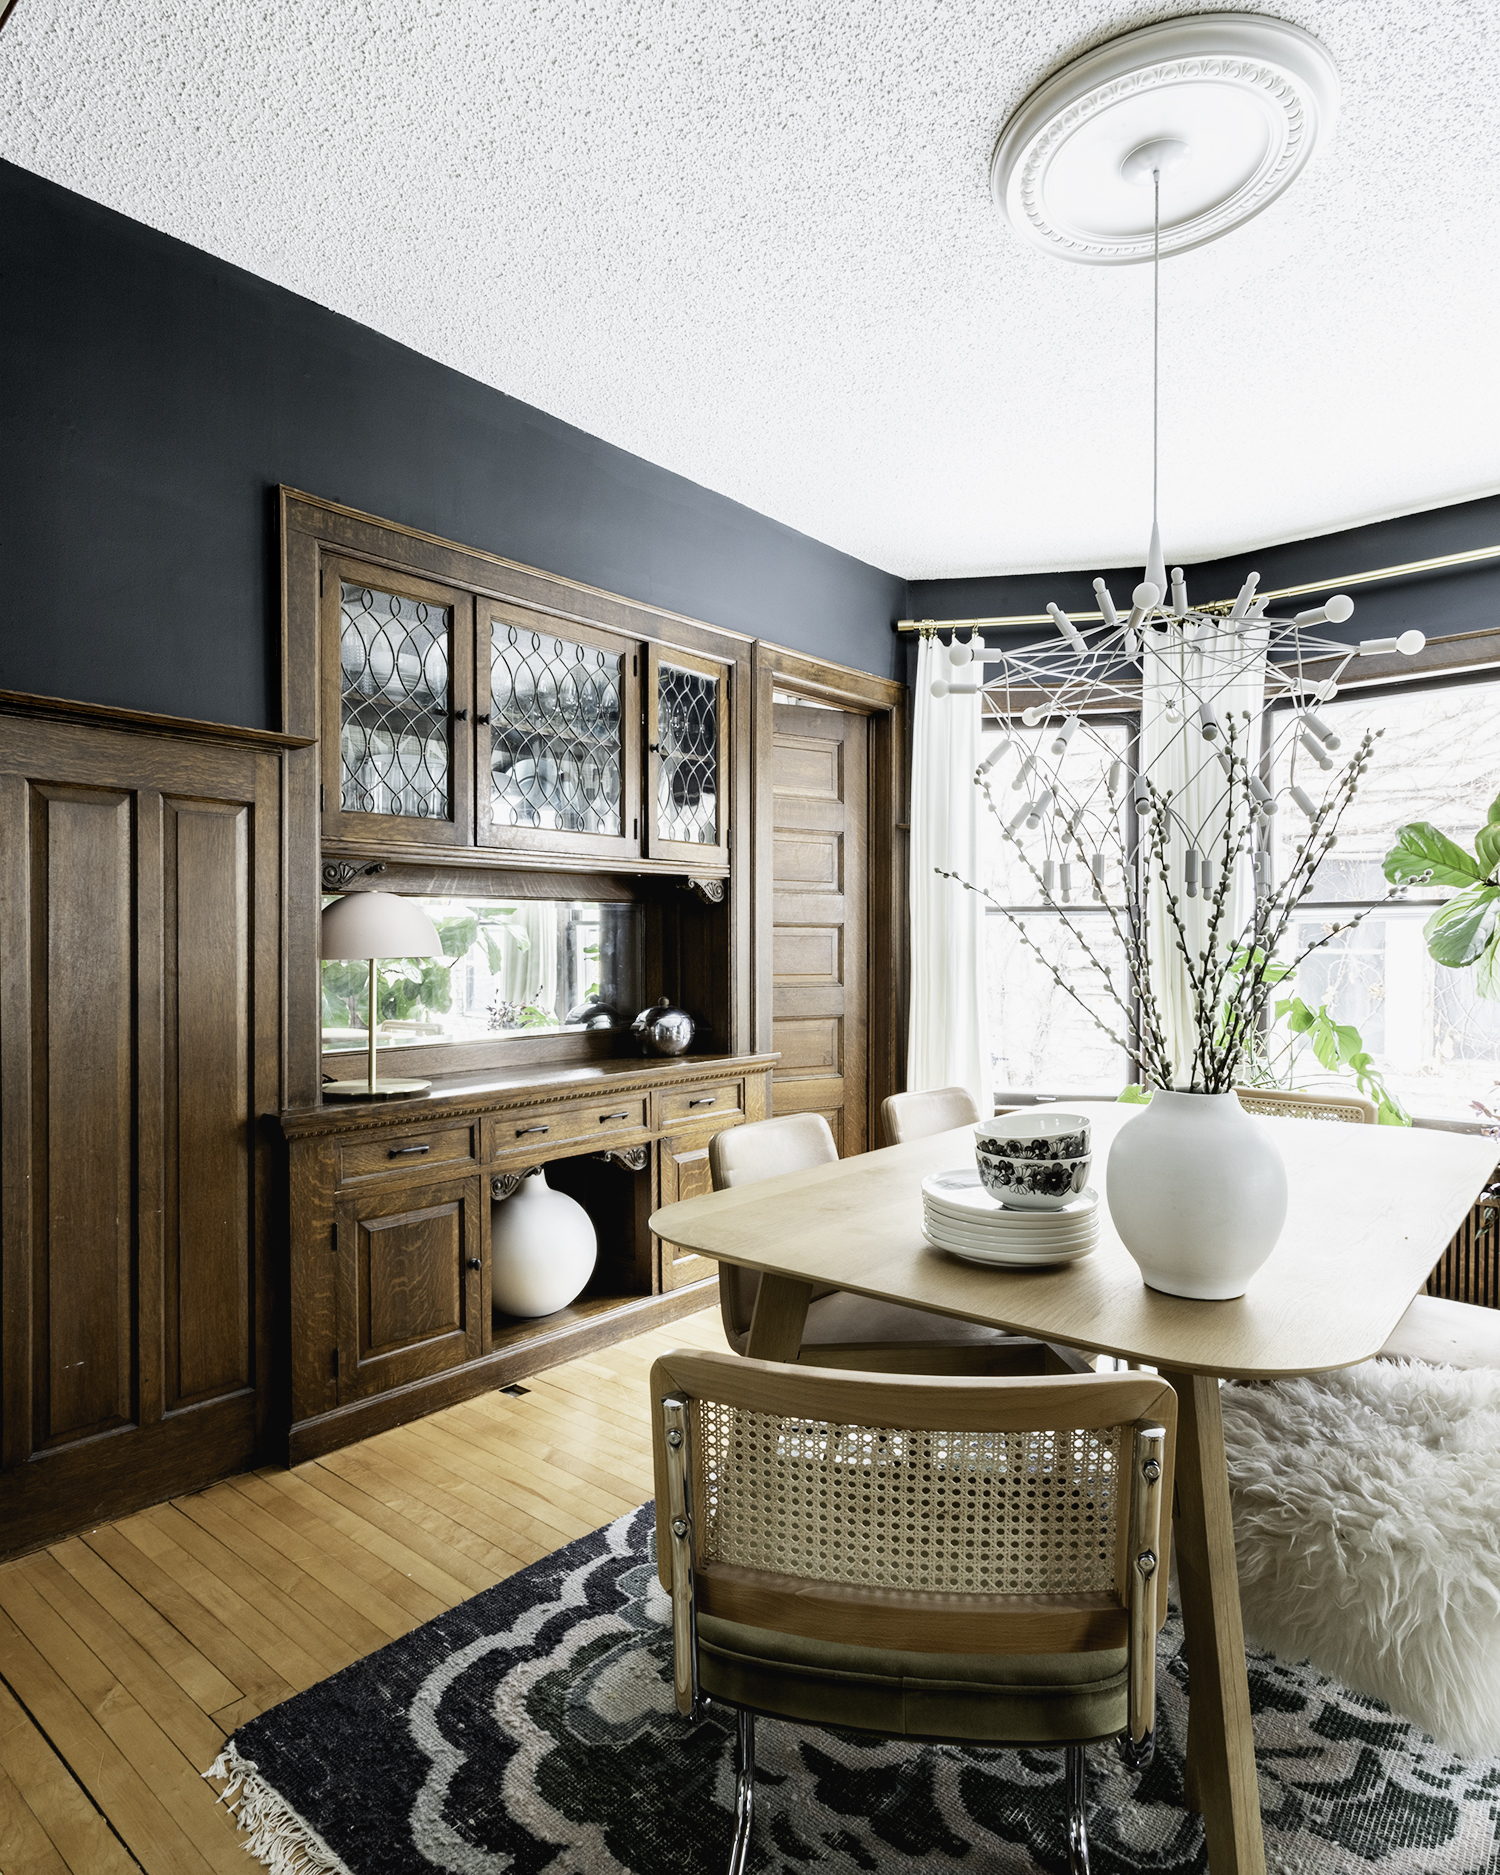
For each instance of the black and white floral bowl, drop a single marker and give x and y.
(1036, 1161)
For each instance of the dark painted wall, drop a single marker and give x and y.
(1460, 600)
(152, 396)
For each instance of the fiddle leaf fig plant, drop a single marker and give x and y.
(1465, 930)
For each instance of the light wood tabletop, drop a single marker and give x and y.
(1370, 1210)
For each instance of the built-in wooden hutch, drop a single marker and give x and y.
(208, 1265)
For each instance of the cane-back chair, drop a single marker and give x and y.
(973, 1561)
(843, 1329)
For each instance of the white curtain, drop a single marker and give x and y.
(1228, 670)
(948, 1040)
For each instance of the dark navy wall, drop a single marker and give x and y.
(1459, 600)
(151, 397)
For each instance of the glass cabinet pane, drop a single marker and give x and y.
(555, 726)
(394, 715)
(687, 749)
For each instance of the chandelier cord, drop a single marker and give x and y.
(1155, 338)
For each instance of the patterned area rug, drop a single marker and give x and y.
(533, 1729)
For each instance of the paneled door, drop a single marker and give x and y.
(139, 1000)
(820, 917)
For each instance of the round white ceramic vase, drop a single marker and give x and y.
(542, 1249)
(1197, 1192)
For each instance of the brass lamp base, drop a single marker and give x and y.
(382, 1089)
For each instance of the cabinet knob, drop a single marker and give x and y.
(475, 1264)
(483, 719)
(460, 716)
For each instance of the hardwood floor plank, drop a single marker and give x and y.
(292, 1663)
(86, 1843)
(414, 1530)
(463, 1504)
(25, 1847)
(200, 1626)
(193, 1671)
(126, 1792)
(401, 1573)
(449, 1461)
(475, 1451)
(603, 1503)
(181, 1718)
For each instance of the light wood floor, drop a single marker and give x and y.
(129, 1654)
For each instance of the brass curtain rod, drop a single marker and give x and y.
(1285, 592)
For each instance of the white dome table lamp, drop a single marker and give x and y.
(371, 925)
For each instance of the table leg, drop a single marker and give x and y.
(1221, 1745)
(777, 1322)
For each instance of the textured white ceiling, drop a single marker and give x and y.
(754, 243)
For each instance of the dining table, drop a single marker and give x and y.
(1370, 1209)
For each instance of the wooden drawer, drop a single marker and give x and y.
(413, 1150)
(525, 1129)
(700, 1103)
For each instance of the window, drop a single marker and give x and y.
(1438, 759)
(534, 966)
(1437, 1043)
(1042, 1040)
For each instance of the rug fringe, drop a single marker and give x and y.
(278, 1836)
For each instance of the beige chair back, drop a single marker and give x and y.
(917, 1116)
(993, 1516)
(1274, 1102)
(743, 1155)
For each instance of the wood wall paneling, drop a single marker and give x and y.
(140, 959)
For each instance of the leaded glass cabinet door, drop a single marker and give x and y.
(398, 740)
(687, 769)
(557, 765)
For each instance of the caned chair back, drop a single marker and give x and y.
(743, 1155)
(1277, 1103)
(917, 1116)
(991, 1516)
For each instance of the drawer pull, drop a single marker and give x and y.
(522, 1131)
(612, 1116)
(707, 1101)
(400, 1152)
(475, 1264)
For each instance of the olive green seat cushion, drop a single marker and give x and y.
(1011, 1699)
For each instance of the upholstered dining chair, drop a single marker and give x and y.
(917, 1116)
(843, 1329)
(1434, 1329)
(972, 1561)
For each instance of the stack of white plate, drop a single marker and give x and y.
(960, 1216)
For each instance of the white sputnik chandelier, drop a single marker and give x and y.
(1174, 842)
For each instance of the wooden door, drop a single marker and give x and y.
(139, 1000)
(413, 1289)
(820, 917)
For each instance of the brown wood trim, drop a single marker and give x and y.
(6, 10)
(553, 1343)
(445, 878)
(831, 683)
(108, 715)
(543, 1048)
(498, 1093)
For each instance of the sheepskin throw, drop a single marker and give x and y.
(1367, 1526)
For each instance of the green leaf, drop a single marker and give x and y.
(1281, 1009)
(1457, 932)
(1350, 1041)
(1325, 1041)
(1487, 977)
(1494, 813)
(1302, 1017)
(1135, 1095)
(1420, 849)
(1487, 845)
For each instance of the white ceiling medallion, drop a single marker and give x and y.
(1232, 104)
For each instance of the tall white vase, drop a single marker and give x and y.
(542, 1249)
(1197, 1192)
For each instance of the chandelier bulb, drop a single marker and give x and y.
(1106, 604)
(1246, 596)
(1146, 595)
(960, 654)
(1032, 715)
(1179, 593)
